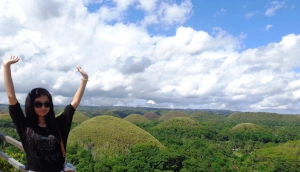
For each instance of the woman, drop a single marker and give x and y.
(40, 131)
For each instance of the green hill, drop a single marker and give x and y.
(247, 127)
(285, 157)
(178, 122)
(109, 136)
(136, 118)
(204, 116)
(270, 119)
(151, 115)
(5, 116)
(116, 114)
(160, 112)
(172, 114)
(4, 108)
(79, 117)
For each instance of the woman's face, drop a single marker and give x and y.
(42, 106)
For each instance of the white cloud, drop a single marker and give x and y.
(148, 5)
(251, 14)
(87, 2)
(128, 66)
(167, 14)
(269, 26)
(246, 4)
(163, 13)
(220, 13)
(124, 4)
(296, 94)
(151, 102)
(272, 7)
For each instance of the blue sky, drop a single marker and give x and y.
(235, 17)
(242, 55)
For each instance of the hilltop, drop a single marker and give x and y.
(109, 136)
(264, 118)
(178, 122)
(172, 114)
(136, 118)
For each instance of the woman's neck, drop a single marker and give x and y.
(42, 122)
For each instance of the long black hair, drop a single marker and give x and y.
(32, 117)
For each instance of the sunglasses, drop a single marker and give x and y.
(39, 104)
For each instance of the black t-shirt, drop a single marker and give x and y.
(47, 155)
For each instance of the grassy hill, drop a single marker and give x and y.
(151, 115)
(136, 118)
(5, 116)
(247, 127)
(160, 112)
(78, 116)
(270, 119)
(3, 108)
(109, 136)
(172, 114)
(285, 157)
(179, 122)
(114, 114)
(119, 110)
(204, 116)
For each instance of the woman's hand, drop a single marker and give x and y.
(79, 93)
(8, 82)
(84, 75)
(11, 60)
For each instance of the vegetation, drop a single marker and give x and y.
(284, 157)
(269, 119)
(246, 127)
(151, 115)
(78, 117)
(204, 116)
(136, 118)
(182, 140)
(109, 136)
(172, 114)
(178, 122)
(4, 116)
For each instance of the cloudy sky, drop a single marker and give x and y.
(237, 55)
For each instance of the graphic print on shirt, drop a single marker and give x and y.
(45, 149)
(45, 144)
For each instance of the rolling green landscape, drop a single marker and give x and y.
(127, 139)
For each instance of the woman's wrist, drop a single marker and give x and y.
(6, 65)
(85, 79)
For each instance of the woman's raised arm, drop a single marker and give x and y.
(79, 93)
(9, 86)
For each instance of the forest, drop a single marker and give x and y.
(127, 139)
